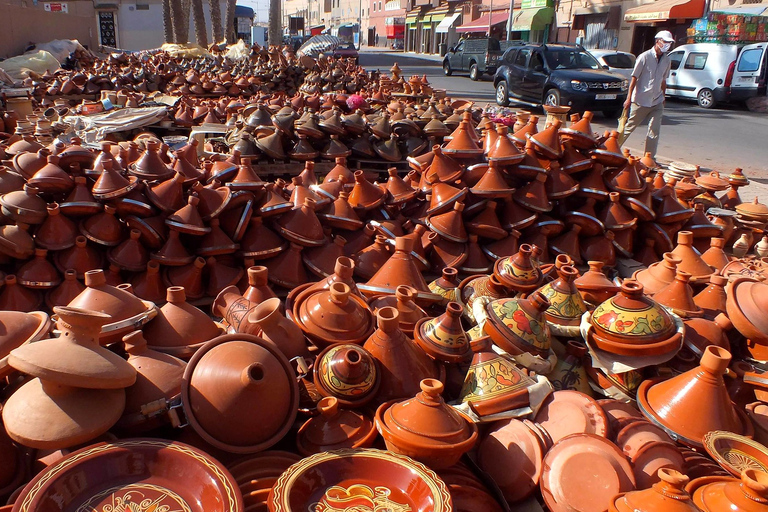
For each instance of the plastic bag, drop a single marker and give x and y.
(189, 50)
(623, 121)
(39, 62)
(238, 51)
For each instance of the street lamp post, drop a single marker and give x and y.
(510, 19)
(490, 19)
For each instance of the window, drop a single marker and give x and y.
(379, 5)
(142, 7)
(374, 6)
(696, 60)
(522, 57)
(619, 60)
(568, 58)
(509, 57)
(749, 62)
(675, 58)
(536, 60)
(460, 46)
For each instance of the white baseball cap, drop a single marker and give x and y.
(665, 35)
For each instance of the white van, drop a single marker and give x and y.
(712, 73)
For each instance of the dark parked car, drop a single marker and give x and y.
(558, 74)
(477, 56)
(346, 50)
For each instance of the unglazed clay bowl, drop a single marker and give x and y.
(122, 475)
(359, 480)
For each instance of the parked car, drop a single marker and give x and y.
(712, 73)
(619, 62)
(344, 50)
(558, 74)
(477, 56)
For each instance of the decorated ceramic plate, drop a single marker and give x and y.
(736, 453)
(359, 480)
(136, 475)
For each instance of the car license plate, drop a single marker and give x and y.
(605, 96)
(745, 78)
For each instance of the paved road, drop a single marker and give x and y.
(719, 139)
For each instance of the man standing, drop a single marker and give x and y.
(646, 91)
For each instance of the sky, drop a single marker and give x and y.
(260, 9)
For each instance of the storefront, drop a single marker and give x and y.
(395, 29)
(731, 25)
(598, 26)
(488, 22)
(446, 31)
(532, 21)
(673, 15)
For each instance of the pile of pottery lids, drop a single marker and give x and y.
(367, 359)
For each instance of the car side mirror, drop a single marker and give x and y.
(606, 67)
(538, 68)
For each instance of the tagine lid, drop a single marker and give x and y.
(334, 429)
(18, 329)
(749, 494)
(227, 385)
(668, 494)
(516, 328)
(426, 420)
(348, 373)
(443, 337)
(375, 478)
(632, 316)
(104, 298)
(564, 480)
(179, 477)
(336, 315)
(75, 358)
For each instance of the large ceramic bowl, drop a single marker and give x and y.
(359, 480)
(137, 475)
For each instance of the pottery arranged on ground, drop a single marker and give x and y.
(432, 301)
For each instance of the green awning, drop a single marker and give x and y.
(412, 20)
(536, 18)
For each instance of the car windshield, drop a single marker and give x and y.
(619, 60)
(567, 58)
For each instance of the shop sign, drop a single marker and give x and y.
(646, 16)
(55, 7)
(534, 4)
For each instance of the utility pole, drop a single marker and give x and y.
(490, 19)
(275, 35)
(511, 19)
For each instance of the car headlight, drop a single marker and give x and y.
(577, 85)
(625, 85)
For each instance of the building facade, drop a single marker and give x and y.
(386, 23)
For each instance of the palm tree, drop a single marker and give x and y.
(229, 22)
(177, 18)
(218, 35)
(186, 7)
(201, 34)
(275, 22)
(167, 25)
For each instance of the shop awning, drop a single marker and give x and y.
(412, 19)
(481, 23)
(395, 31)
(447, 23)
(663, 10)
(532, 19)
(594, 9)
(744, 10)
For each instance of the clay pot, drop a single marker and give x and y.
(234, 309)
(700, 333)
(158, 377)
(228, 381)
(658, 275)
(82, 258)
(443, 338)
(476, 290)
(447, 286)
(286, 335)
(365, 195)
(347, 372)
(712, 299)
(38, 272)
(69, 288)
(691, 260)
(744, 302)
(409, 312)
(179, 328)
(425, 428)
(594, 286)
(287, 269)
(260, 242)
(667, 494)
(749, 494)
(24, 205)
(335, 316)
(678, 296)
(518, 272)
(190, 277)
(519, 325)
(403, 364)
(149, 284)
(335, 429)
(302, 226)
(57, 232)
(696, 402)
(566, 304)
(258, 286)
(399, 269)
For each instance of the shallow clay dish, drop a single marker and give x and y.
(372, 479)
(736, 453)
(584, 473)
(569, 412)
(129, 475)
(20, 329)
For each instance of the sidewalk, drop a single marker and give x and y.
(414, 55)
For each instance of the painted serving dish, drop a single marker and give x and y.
(736, 453)
(364, 479)
(136, 475)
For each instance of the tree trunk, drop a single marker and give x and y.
(229, 22)
(218, 34)
(167, 24)
(177, 18)
(201, 33)
(275, 23)
(186, 7)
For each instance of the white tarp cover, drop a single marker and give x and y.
(319, 44)
(39, 62)
(93, 128)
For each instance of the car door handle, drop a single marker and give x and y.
(674, 74)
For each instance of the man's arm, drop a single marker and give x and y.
(632, 85)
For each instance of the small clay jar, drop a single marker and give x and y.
(425, 428)
(275, 327)
(335, 429)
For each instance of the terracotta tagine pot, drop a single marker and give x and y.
(678, 296)
(83, 257)
(335, 316)
(275, 327)
(659, 274)
(475, 290)
(744, 304)
(179, 328)
(691, 260)
(594, 286)
(630, 323)
(347, 372)
(425, 428)
(566, 305)
(229, 382)
(518, 272)
(57, 232)
(258, 285)
(335, 429)
(749, 494)
(443, 338)
(667, 495)
(693, 403)
(409, 312)
(403, 364)
(519, 325)
(158, 377)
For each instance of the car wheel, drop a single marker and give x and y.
(447, 71)
(474, 72)
(552, 98)
(612, 114)
(502, 93)
(706, 98)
